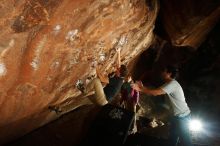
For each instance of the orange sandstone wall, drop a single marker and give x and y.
(46, 46)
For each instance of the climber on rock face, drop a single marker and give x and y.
(112, 83)
(105, 86)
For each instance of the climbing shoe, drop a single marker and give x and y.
(57, 109)
(80, 86)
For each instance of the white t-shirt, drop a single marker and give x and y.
(177, 98)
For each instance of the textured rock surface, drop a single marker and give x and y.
(187, 22)
(46, 46)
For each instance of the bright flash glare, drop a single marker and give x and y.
(195, 125)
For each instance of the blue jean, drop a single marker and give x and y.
(179, 129)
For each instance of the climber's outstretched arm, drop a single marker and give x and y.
(118, 63)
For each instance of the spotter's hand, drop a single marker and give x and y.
(137, 86)
(140, 84)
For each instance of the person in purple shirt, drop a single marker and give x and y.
(130, 99)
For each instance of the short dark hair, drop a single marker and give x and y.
(123, 71)
(173, 70)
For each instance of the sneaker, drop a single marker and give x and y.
(153, 123)
(160, 123)
(80, 86)
(57, 109)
